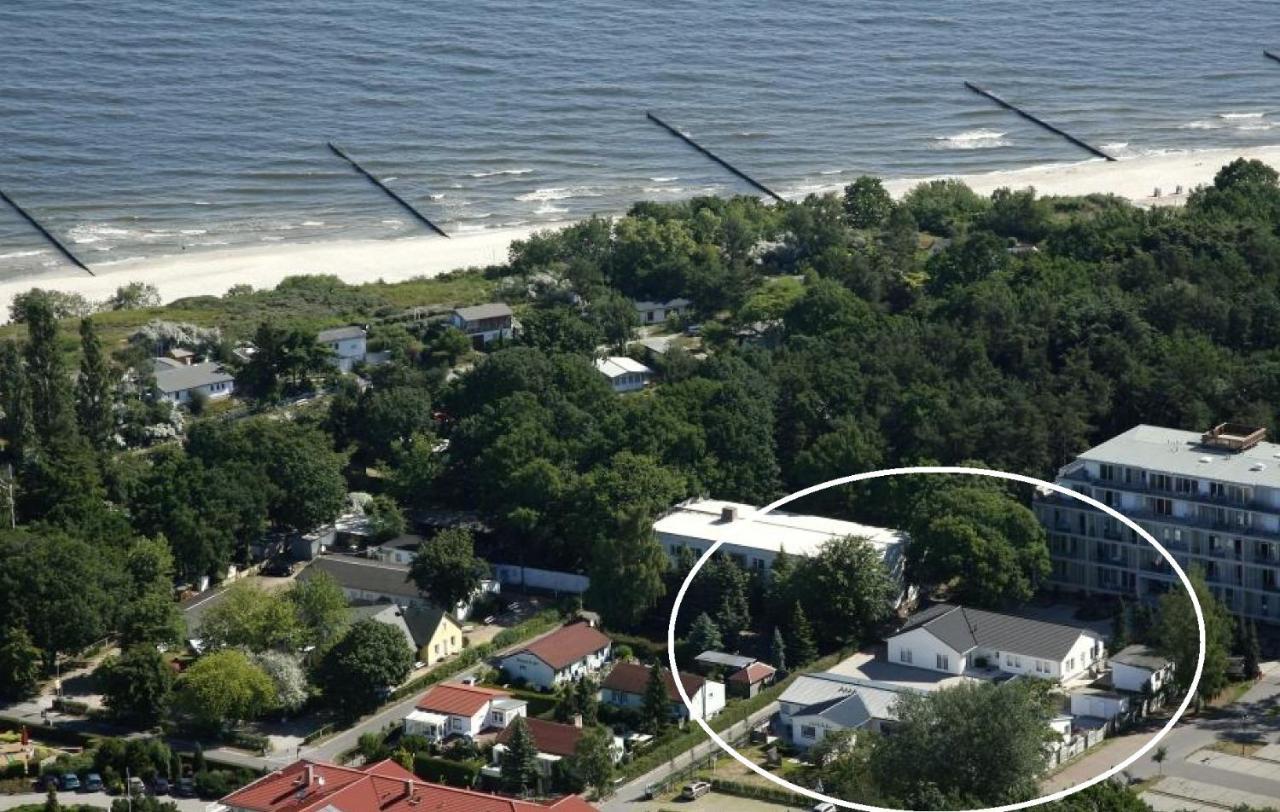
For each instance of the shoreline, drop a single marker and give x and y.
(213, 272)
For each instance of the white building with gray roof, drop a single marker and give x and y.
(484, 323)
(1212, 499)
(180, 383)
(815, 705)
(350, 345)
(958, 640)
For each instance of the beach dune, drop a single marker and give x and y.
(356, 261)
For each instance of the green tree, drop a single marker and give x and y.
(1178, 637)
(519, 763)
(866, 203)
(370, 659)
(587, 700)
(778, 650)
(986, 547)
(614, 317)
(137, 685)
(627, 571)
(801, 649)
(592, 759)
(655, 712)
(149, 613)
(857, 592)
(386, 521)
(15, 402)
(53, 416)
(51, 800)
(285, 671)
(19, 664)
(559, 328)
(446, 569)
(981, 741)
(223, 687)
(704, 635)
(415, 467)
(321, 609)
(94, 390)
(1252, 651)
(252, 618)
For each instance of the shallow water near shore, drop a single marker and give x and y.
(155, 129)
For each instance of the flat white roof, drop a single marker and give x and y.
(1181, 453)
(615, 366)
(800, 535)
(428, 717)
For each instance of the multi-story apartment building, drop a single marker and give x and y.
(1212, 500)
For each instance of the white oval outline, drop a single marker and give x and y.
(938, 469)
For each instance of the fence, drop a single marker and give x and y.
(532, 578)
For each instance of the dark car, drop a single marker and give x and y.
(279, 568)
(185, 788)
(69, 782)
(160, 786)
(92, 783)
(46, 782)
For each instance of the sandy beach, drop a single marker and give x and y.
(354, 261)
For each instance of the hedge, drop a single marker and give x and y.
(742, 789)
(443, 770)
(542, 622)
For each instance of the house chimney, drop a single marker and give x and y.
(311, 776)
(577, 720)
(408, 788)
(728, 514)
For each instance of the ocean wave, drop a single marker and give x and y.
(21, 254)
(547, 208)
(665, 178)
(831, 172)
(436, 196)
(663, 190)
(750, 134)
(117, 261)
(1241, 122)
(392, 222)
(390, 178)
(312, 223)
(495, 172)
(89, 233)
(193, 231)
(972, 139)
(1234, 116)
(557, 193)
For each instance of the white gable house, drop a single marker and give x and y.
(181, 383)
(348, 344)
(624, 374)
(957, 640)
(815, 705)
(1140, 670)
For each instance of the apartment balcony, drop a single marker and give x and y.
(1083, 476)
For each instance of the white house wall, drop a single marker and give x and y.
(1083, 654)
(1098, 705)
(534, 671)
(1131, 678)
(924, 650)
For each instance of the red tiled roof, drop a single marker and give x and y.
(756, 672)
(633, 678)
(568, 645)
(382, 787)
(457, 699)
(549, 737)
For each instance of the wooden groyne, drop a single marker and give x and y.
(1271, 55)
(341, 153)
(54, 241)
(735, 170)
(1041, 122)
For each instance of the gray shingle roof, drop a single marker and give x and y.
(965, 629)
(847, 701)
(1140, 656)
(735, 661)
(386, 579)
(340, 334)
(493, 310)
(182, 378)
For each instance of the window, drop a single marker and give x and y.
(904, 655)
(808, 732)
(1106, 472)
(944, 662)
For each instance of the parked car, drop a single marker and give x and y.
(694, 791)
(279, 568)
(136, 787)
(160, 786)
(69, 782)
(46, 782)
(824, 806)
(186, 787)
(93, 783)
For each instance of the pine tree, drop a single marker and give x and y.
(519, 766)
(802, 649)
(587, 701)
(704, 635)
(1252, 651)
(50, 395)
(93, 389)
(51, 801)
(655, 714)
(778, 590)
(1120, 628)
(197, 760)
(778, 650)
(15, 401)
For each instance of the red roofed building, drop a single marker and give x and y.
(553, 740)
(454, 709)
(627, 682)
(564, 655)
(307, 786)
(748, 681)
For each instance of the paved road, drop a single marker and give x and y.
(93, 799)
(630, 798)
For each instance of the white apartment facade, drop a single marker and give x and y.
(1211, 499)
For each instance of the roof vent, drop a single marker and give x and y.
(1206, 459)
(728, 514)
(1258, 466)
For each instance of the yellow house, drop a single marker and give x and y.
(436, 633)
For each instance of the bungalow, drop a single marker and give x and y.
(485, 323)
(696, 524)
(817, 704)
(1140, 670)
(349, 345)
(180, 382)
(315, 786)
(554, 741)
(399, 550)
(563, 655)
(626, 685)
(624, 374)
(454, 709)
(712, 661)
(955, 639)
(364, 582)
(659, 312)
(749, 680)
